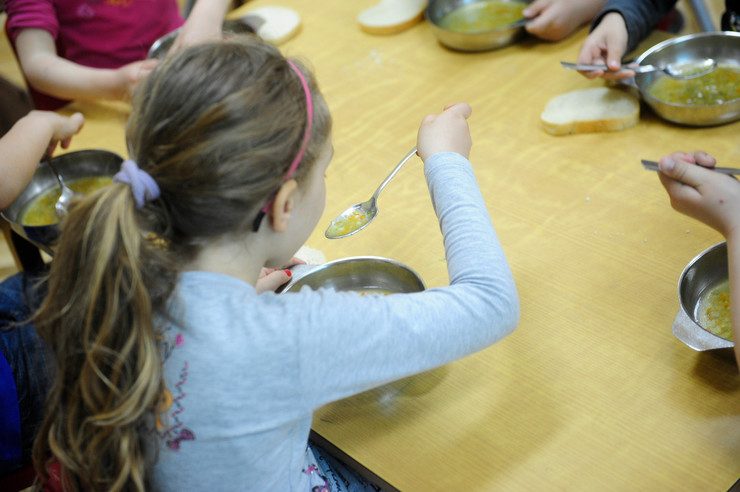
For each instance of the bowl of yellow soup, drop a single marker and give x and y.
(32, 214)
(711, 99)
(362, 274)
(476, 25)
(704, 320)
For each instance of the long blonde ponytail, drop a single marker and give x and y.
(98, 317)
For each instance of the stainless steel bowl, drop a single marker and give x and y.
(161, 46)
(73, 165)
(706, 271)
(366, 273)
(359, 273)
(724, 47)
(476, 41)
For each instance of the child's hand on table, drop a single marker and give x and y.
(553, 20)
(606, 46)
(445, 132)
(697, 191)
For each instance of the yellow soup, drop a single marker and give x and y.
(40, 212)
(714, 311)
(483, 16)
(349, 223)
(716, 87)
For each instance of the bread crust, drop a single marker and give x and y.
(606, 123)
(395, 23)
(391, 28)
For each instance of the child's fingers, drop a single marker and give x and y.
(535, 8)
(272, 281)
(704, 159)
(683, 197)
(680, 170)
(537, 24)
(591, 54)
(460, 109)
(77, 120)
(615, 47)
(66, 127)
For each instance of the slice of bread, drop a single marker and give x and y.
(391, 16)
(599, 109)
(275, 25)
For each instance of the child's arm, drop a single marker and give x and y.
(25, 144)
(618, 28)
(203, 23)
(713, 199)
(49, 73)
(554, 20)
(348, 343)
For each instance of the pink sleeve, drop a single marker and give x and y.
(25, 14)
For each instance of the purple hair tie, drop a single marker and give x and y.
(143, 186)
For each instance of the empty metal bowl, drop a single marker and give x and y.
(73, 165)
(161, 46)
(723, 47)
(483, 40)
(706, 271)
(359, 273)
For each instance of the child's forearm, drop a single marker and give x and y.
(55, 76)
(733, 258)
(211, 12)
(22, 148)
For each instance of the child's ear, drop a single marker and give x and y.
(283, 205)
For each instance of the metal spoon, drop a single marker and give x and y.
(358, 216)
(62, 204)
(682, 71)
(731, 171)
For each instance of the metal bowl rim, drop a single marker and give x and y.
(350, 259)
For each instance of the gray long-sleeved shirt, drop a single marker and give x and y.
(246, 371)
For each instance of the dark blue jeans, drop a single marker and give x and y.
(24, 370)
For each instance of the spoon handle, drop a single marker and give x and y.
(56, 173)
(408, 156)
(591, 67)
(653, 166)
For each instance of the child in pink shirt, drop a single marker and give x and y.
(83, 49)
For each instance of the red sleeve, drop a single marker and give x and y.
(31, 14)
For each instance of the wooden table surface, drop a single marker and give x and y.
(592, 391)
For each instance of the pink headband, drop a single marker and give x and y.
(304, 144)
(309, 123)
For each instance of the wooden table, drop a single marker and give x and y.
(592, 392)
